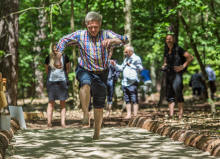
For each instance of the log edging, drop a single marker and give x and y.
(187, 137)
(7, 135)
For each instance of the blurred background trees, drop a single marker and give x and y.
(25, 37)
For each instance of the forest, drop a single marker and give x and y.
(28, 27)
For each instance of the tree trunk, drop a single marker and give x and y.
(9, 44)
(127, 10)
(75, 84)
(38, 49)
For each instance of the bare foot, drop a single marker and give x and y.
(95, 137)
(108, 114)
(86, 122)
(63, 125)
(128, 117)
(49, 125)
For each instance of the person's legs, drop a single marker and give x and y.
(50, 113)
(110, 91)
(99, 90)
(170, 94)
(98, 117)
(180, 106)
(127, 101)
(63, 113)
(171, 108)
(135, 106)
(178, 87)
(109, 109)
(128, 109)
(84, 95)
(84, 78)
(133, 92)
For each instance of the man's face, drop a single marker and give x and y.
(127, 52)
(93, 27)
(169, 39)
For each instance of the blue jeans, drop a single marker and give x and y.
(97, 82)
(174, 87)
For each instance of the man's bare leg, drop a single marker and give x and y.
(128, 109)
(84, 95)
(50, 113)
(136, 106)
(63, 113)
(171, 108)
(180, 106)
(98, 117)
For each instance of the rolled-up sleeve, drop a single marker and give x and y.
(70, 38)
(111, 35)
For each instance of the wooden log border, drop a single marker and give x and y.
(187, 137)
(7, 135)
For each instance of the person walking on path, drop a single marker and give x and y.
(111, 81)
(197, 84)
(92, 71)
(176, 60)
(131, 68)
(57, 84)
(211, 79)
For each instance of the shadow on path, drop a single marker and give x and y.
(115, 143)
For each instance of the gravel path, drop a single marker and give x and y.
(115, 143)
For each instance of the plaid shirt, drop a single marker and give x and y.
(94, 57)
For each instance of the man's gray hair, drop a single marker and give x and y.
(93, 16)
(129, 48)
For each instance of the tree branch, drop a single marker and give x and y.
(31, 8)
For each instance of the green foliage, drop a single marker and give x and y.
(150, 20)
(2, 53)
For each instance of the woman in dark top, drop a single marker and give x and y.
(57, 87)
(174, 67)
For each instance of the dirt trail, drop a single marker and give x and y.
(115, 143)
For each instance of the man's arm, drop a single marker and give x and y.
(137, 65)
(189, 59)
(113, 39)
(117, 66)
(71, 39)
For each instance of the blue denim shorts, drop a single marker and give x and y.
(131, 93)
(97, 82)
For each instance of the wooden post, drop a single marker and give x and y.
(3, 101)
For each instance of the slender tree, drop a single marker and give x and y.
(9, 44)
(127, 10)
(38, 49)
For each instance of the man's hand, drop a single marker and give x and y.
(107, 42)
(113, 62)
(178, 68)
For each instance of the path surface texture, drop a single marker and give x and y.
(115, 143)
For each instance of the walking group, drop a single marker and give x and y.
(97, 73)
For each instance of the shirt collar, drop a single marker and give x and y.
(97, 36)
